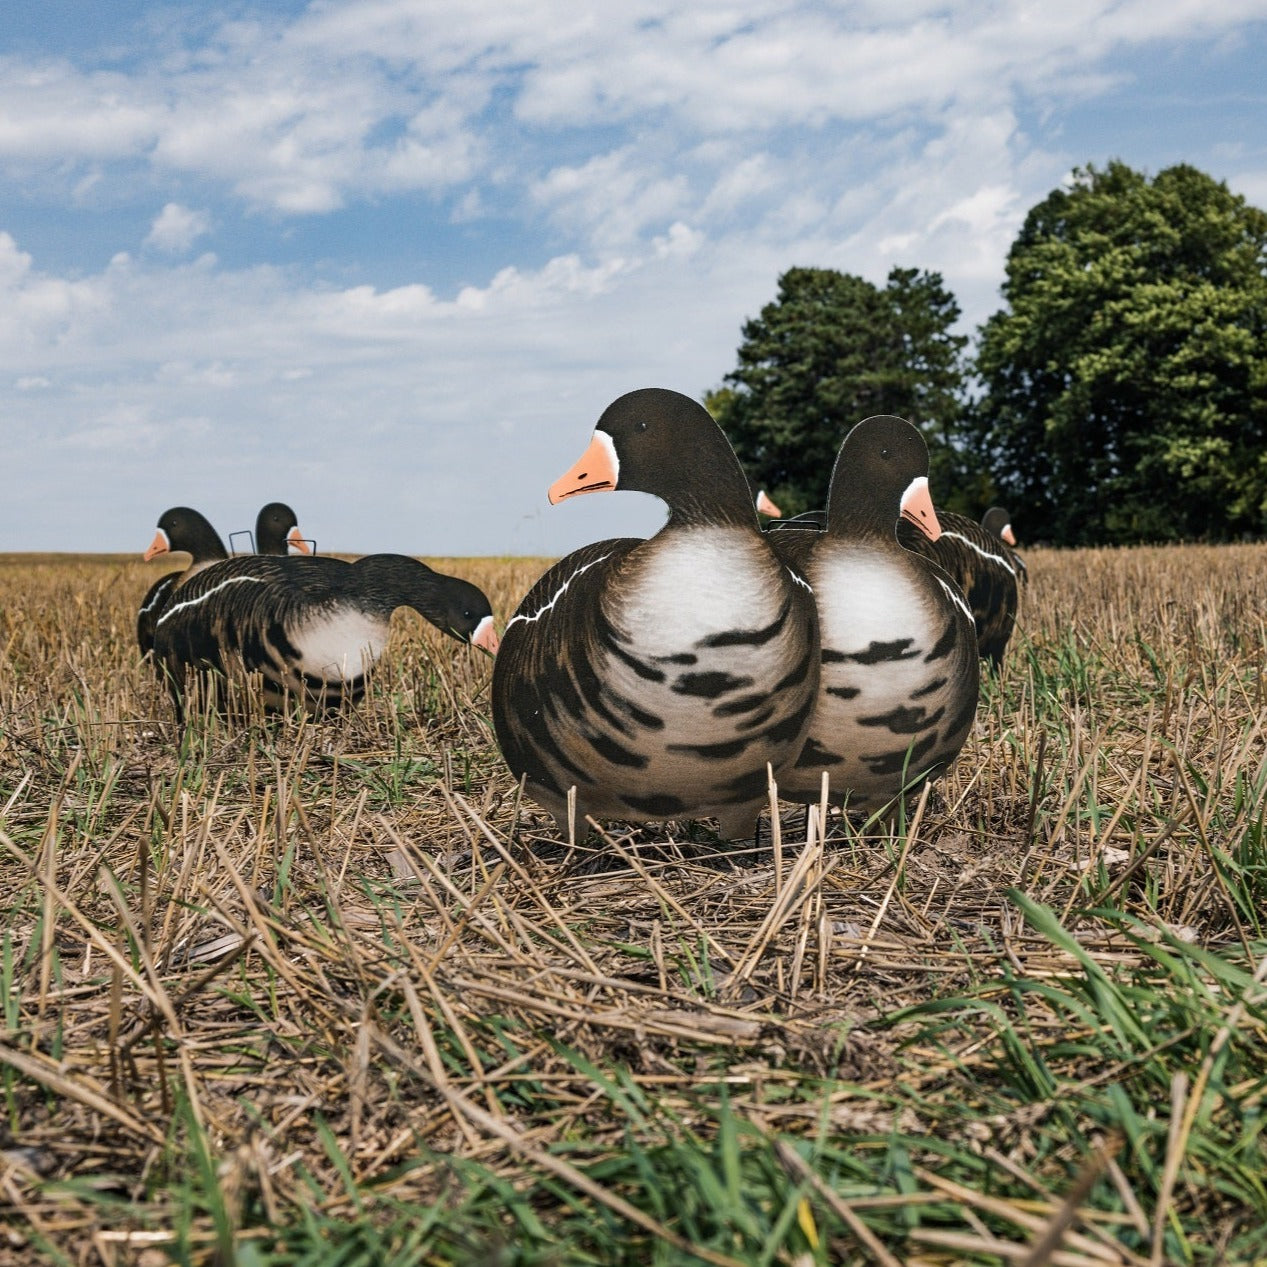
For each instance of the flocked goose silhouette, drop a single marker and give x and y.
(179, 529)
(312, 627)
(898, 692)
(658, 678)
(998, 523)
(986, 573)
(984, 570)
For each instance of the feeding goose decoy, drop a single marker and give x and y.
(898, 691)
(277, 529)
(310, 626)
(659, 677)
(998, 523)
(179, 529)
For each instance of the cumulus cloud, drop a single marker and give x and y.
(175, 229)
(348, 101)
(629, 185)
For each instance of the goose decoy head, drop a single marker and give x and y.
(998, 523)
(276, 528)
(663, 443)
(181, 528)
(882, 467)
(465, 614)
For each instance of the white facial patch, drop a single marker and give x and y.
(610, 449)
(918, 484)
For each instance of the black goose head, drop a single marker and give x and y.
(276, 528)
(998, 523)
(181, 528)
(661, 442)
(463, 611)
(881, 474)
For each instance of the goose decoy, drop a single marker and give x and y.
(659, 677)
(179, 528)
(310, 626)
(985, 572)
(998, 523)
(898, 691)
(277, 529)
(983, 569)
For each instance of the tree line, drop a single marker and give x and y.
(1118, 396)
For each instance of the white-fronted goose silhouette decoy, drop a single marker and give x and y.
(898, 692)
(983, 569)
(277, 529)
(998, 523)
(660, 677)
(311, 626)
(179, 529)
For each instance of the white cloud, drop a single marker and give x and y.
(347, 101)
(175, 229)
(634, 179)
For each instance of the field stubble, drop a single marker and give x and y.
(317, 992)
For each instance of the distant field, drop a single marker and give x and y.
(332, 993)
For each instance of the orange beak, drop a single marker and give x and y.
(160, 545)
(485, 636)
(596, 472)
(296, 538)
(1008, 535)
(917, 506)
(767, 507)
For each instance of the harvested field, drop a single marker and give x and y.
(317, 993)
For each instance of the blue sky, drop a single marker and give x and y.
(388, 260)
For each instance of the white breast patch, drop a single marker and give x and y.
(340, 644)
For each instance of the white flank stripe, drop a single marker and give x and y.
(800, 580)
(956, 597)
(158, 596)
(202, 598)
(985, 554)
(558, 594)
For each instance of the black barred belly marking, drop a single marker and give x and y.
(891, 706)
(696, 672)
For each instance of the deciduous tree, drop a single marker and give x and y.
(830, 350)
(1125, 382)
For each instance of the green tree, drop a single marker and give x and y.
(830, 350)
(1124, 387)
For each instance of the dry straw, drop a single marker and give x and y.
(316, 983)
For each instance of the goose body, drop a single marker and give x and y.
(311, 627)
(658, 678)
(899, 681)
(178, 529)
